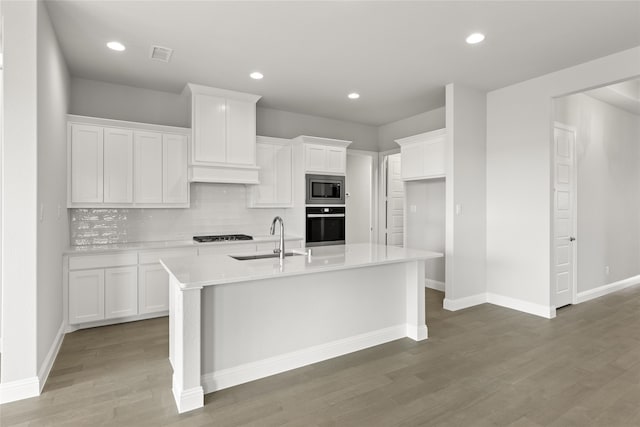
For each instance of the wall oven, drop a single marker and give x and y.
(325, 190)
(325, 225)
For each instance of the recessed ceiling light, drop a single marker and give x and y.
(256, 75)
(116, 46)
(475, 38)
(354, 95)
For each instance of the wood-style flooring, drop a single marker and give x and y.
(484, 366)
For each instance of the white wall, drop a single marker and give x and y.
(113, 101)
(283, 124)
(19, 200)
(519, 135)
(608, 184)
(425, 226)
(53, 233)
(465, 196)
(420, 123)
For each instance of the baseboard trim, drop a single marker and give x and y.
(230, 377)
(434, 284)
(188, 400)
(516, 304)
(607, 289)
(107, 322)
(45, 369)
(20, 389)
(462, 303)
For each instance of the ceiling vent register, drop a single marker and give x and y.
(160, 53)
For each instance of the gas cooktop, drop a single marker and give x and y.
(222, 238)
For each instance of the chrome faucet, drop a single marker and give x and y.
(280, 250)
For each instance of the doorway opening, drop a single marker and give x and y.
(596, 206)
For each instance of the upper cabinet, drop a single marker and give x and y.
(275, 158)
(423, 156)
(123, 164)
(223, 147)
(324, 156)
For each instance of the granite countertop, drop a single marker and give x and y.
(168, 244)
(194, 272)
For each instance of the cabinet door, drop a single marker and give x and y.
(86, 296)
(175, 185)
(336, 160)
(241, 132)
(315, 158)
(264, 192)
(210, 132)
(283, 175)
(434, 158)
(86, 164)
(148, 167)
(118, 165)
(153, 289)
(412, 161)
(121, 292)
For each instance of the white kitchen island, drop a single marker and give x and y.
(234, 321)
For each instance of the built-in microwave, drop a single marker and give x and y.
(325, 190)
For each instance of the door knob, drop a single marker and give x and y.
(571, 239)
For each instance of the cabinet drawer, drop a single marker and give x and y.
(101, 261)
(153, 257)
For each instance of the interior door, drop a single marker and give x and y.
(564, 215)
(395, 201)
(358, 198)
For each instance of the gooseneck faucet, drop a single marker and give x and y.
(273, 230)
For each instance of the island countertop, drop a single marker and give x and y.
(196, 272)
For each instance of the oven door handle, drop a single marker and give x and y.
(325, 215)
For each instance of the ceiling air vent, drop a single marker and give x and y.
(160, 53)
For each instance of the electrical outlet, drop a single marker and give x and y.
(59, 210)
(413, 208)
(41, 212)
(606, 270)
(458, 209)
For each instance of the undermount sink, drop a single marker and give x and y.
(274, 255)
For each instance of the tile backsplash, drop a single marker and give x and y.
(215, 209)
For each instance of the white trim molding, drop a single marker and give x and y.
(434, 284)
(606, 289)
(47, 364)
(20, 389)
(548, 312)
(462, 303)
(230, 377)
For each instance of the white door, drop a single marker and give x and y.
(120, 292)
(86, 164)
(358, 200)
(336, 158)
(564, 215)
(395, 201)
(175, 185)
(315, 158)
(148, 167)
(118, 165)
(86, 296)
(153, 289)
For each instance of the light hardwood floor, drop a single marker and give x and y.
(484, 366)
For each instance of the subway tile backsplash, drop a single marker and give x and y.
(215, 209)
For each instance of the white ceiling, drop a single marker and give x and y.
(397, 55)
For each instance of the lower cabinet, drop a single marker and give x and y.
(86, 295)
(120, 292)
(153, 289)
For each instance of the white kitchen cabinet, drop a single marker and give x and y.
(324, 156)
(223, 147)
(113, 163)
(274, 156)
(86, 295)
(86, 164)
(148, 170)
(118, 165)
(175, 184)
(120, 292)
(423, 156)
(153, 280)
